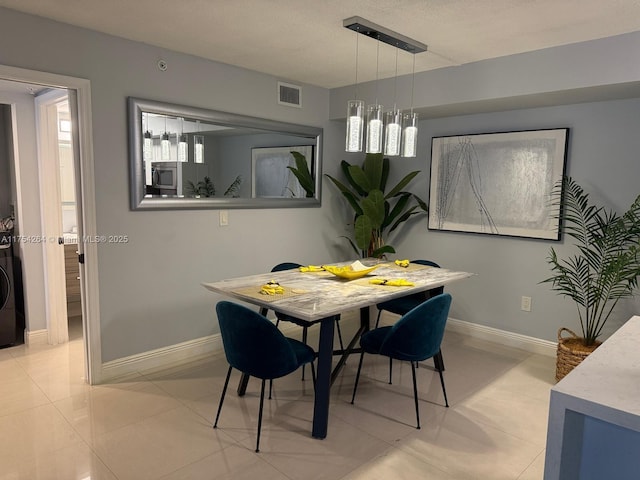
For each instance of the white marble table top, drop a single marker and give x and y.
(321, 295)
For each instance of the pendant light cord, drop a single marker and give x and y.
(357, 51)
(377, 67)
(413, 77)
(395, 82)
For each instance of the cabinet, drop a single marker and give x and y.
(72, 277)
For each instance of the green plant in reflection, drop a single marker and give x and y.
(303, 174)
(206, 188)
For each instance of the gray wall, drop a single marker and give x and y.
(150, 293)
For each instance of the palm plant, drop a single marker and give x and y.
(376, 213)
(607, 265)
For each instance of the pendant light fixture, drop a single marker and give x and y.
(355, 116)
(147, 144)
(198, 146)
(410, 124)
(183, 148)
(165, 144)
(393, 122)
(401, 132)
(375, 114)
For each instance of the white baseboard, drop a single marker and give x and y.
(503, 337)
(193, 349)
(36, 337)
(162, 357)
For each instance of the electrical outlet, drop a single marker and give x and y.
(224, 218)
(525, 304)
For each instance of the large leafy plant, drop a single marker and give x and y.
(303, 174)
(605, 267)
(376, 213)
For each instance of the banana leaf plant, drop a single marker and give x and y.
(605, 267)
(376, 213)
(302, 173)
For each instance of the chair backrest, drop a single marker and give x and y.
(285, 266)
(434, 291)
(252, 344)
(418, 334)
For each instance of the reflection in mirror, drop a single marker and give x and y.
(186, 157)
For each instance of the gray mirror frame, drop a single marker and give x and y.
(136, 179)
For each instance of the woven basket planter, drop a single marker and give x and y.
(571, 352)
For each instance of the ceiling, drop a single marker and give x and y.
(304, 41)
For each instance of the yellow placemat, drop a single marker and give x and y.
(254, 292)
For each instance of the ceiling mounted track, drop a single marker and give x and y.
(370, 29)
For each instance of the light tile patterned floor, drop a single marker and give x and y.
(157, 425)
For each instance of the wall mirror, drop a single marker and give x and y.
(187, 157)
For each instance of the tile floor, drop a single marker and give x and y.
(157, 425)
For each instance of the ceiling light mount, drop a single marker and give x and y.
(385, 35)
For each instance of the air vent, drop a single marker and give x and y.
(289, 95)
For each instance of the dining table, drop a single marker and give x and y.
(318, 296)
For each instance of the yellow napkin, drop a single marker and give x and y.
(312, 268)
(271, 288)
(396, 282)
(402, 263)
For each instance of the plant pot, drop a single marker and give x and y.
(571, 352)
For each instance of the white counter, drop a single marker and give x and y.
(594, 414)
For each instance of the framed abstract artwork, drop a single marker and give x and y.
(497, 183)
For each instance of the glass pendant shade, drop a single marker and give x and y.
(183, 148)
(392, 132)
(165, 147)
(147, 147)
(198, 149)
(374, 128)
(409, 135)
(355, 126)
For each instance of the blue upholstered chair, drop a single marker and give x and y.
(403, 305)
(287, 318)
(254, 346)
(414, 338)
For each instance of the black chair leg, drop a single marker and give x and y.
(438, 361)
(415, 393)
(378, 319)
(260, 416)
(270, 387)
(313, 375)
(224, 392)
(444, 391)
(355, 385)
(304, 340)
(390, 370)
(339, 333)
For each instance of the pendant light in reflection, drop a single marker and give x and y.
(183, 148)
(198, 146)
(165, 144)
(355, 116)
(375, 117)
(147, 143)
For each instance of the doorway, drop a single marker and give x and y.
(79, 96)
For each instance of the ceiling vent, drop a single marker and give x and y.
(289, 95)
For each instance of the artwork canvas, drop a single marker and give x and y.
(270, 176)
(498, 183)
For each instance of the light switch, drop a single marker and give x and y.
(224, 218)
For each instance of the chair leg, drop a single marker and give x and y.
(444, 391)
(224, 392)
(438, 362)
(378, 319)
(415, 393)
(270, 387)
(355, 385)
(313, 375)
(339, 333)
(304, 340)
(390, 370)
(260, 416)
